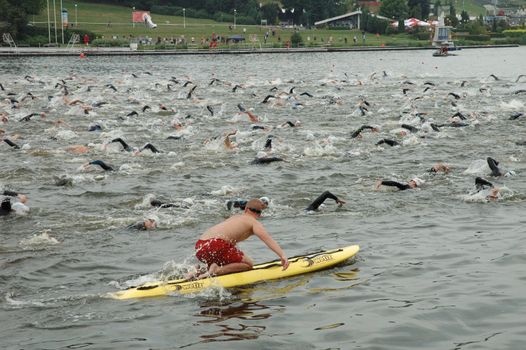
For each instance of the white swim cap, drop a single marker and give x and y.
(265, 200)
(418, 182)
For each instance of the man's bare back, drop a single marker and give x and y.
(217, 245)
(235, 229)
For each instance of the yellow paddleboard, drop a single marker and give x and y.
(262, 272)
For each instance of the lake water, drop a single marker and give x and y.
(440, 267)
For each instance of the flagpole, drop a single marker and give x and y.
(55, 20)
(48, 24)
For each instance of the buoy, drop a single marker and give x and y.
(82, 55)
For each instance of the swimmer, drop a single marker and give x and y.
(268, 97)
(268, 145)
(217, 246)
(29, 116)
(95, 127)
(516, 115)
(111, 86)
(7, 207)
(440, 167)
(291, 124)
(358, 133)
(150, 147)
(456, 96)
(100, 163)
(236, 87)
(319, 201)
(481, 184)
(409, 127)
(414, 183)
(227, 142)
(11, 143)
(77, 149)
(262, 158)
(189, 95)
(493, 165)
(147, 224)
(388, 142)
(125, 146)
(242, 203)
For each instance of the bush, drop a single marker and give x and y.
(296, 40)
(514, 33)
(38, 40)
(421, 36)
(480, 37)
(110, 43)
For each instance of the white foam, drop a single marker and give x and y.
(38, 241)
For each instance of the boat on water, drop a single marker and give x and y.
(442, 40)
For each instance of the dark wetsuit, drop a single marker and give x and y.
(480, 183)
(400, 186)
(158, 203)
(126, 147)
(95, 127)
(388, 141)
(11, 143)
(239, 203)
(266, 160)
(138, 226)
(268, 144)
(150, 147)
(493, 165)
(362, 128)
(319, 201)
(409, 127)
(101, 164)
(5, 207)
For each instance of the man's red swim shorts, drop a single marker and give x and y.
(218, 251)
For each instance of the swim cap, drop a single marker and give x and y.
(419, 182)
(265, 200)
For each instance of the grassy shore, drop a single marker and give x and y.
(109, 21)
(113, 26)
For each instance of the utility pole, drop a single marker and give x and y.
(55, 20)
(62, 20)
(48, 24)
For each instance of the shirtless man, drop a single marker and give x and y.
(217, 246)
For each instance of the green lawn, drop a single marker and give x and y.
(110, 21)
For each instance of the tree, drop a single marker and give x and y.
(395, 9)
(15, 14)
(419, 8)
(464, 17)
(452, 18)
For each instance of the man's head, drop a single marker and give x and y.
(255, 206)
(265, 201)
(150, 224)
(416, 182)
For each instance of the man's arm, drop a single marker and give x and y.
(262, 234)
(400, 186)
(319, 201)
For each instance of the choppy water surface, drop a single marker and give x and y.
(440, 267)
